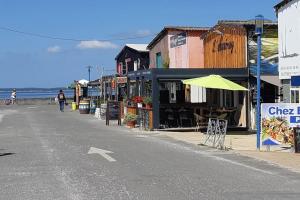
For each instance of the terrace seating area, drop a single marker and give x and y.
(172, 116)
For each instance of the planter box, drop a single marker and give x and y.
(131, 124)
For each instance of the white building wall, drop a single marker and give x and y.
(289, 39)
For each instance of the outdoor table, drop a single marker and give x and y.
(230, 114)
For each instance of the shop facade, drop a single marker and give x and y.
(175, 106)
(133, 57)
(178, 53)
(232, 44)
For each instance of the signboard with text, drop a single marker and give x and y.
(278, 121)
(178, 40)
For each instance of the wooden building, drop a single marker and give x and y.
(177, 47)
(177, 53)
(225, 46)
(232, 44)
(132, 57)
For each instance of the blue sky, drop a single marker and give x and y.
(28, 61)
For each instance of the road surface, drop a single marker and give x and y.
(47, 154)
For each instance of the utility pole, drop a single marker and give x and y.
(89, 70)
(103, 86)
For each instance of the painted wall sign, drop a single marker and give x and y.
(178, 40)
(278, 121)
(222, 46)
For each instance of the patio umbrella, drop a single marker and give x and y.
(215, 82)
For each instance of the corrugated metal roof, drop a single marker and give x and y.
(138, 47)
(188, 28)
(245, 22)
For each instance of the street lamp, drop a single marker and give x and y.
(259, 24)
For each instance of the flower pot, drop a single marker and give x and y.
(148, 106)
(131, 124)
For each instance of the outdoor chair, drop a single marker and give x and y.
(200, 121)
(222, 116)
(184, 116)
(172, 121)
(171, 118)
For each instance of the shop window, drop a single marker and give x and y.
(215, 95)
(229, 98)
(135, 65)
(172, 92)
(295, 95)
(241, 97)
(124, 68)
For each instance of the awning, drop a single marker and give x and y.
(274, 80)
(215, 82)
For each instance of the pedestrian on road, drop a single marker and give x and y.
(61, 99)
(13, 96)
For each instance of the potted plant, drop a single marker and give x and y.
(130, 119)
(148, 102)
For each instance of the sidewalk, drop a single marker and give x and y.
(244, 145)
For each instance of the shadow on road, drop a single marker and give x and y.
(6, 154)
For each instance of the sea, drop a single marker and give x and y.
(38, 93)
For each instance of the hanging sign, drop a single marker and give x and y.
(121, 80)
(278, 121)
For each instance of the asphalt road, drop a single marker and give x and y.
(44, 155)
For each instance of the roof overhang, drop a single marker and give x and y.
(186, 73)
(281, 4)
(129, 47)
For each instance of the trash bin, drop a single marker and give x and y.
(297, 139)
(74, 107)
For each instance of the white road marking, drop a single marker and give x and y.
(32, 107)
(142, 136)
(102, 152)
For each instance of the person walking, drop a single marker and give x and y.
(13, 96)
(61, 99)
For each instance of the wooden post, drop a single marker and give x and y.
(107, 114)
